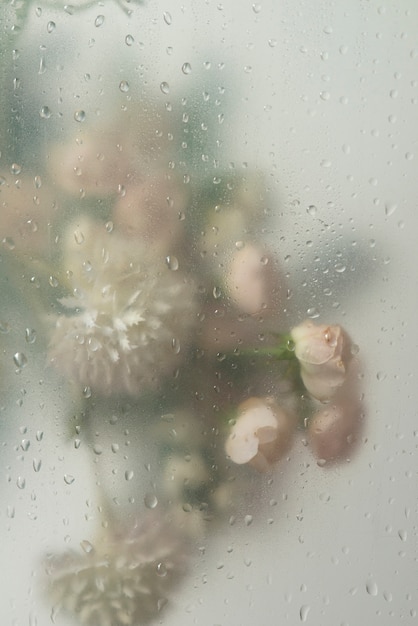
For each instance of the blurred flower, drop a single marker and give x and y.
(261, 434)
(334, 429)
(131, 319)
(106, 157)
(151, 210)
(249, 279)
(121, 580)
(323, 353)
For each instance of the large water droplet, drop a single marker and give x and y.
(150, 500)
(186, 68)
(30, 335)
(172, 262)
(20, 359)
(371, 588)
(165, 87)
(86, 546)
(161, 569)
(45, 112)
(69, 479)
(21, 482)
(80, 116)
(99, 21)
(167, 18)
(304, 611)
(129, 40)
(124, 86)
(390, 208)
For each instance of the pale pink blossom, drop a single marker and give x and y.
(247, 279)
(261, 434)
(334, 429)
(152, 210)
(323, 353)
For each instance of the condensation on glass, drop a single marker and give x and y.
(207, 320)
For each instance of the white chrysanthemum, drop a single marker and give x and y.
(119, 581)
(130, 316)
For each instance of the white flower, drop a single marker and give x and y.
(261, 434)
(132, 316)
(323, 353)
(120, 580)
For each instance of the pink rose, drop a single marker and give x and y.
(261, 434)
(333, 429)
(323, 354)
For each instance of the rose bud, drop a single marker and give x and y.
(333, 429)
(323, 353)
(261, 434)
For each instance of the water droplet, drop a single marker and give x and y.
(216, 292)
(20, 359)
(45, 112)
(381, 376)
(272, 43)
(312, 312)
(15, 169)
(311, 210)
(303, 612)
(37, 464)
(371, 588)
(129, 475)
(175, 345)
(248, 520)
(124, 86)
(129, 40)
(390, 208)
(80, 116)
(167, 18)
(150, 500)
(50, 27)
(30, 335)
(97, 449)
(161, 569)
(87, 392)
(78, 236)
(77, 443)
(172, 262)
(403, 535)
(256, 8)
(186, 68)
(165, 87)
(10, 511)
(340, 268)
(69, 479)
(21, 482)
(25, 443)
(99, 21)
(86, 546)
